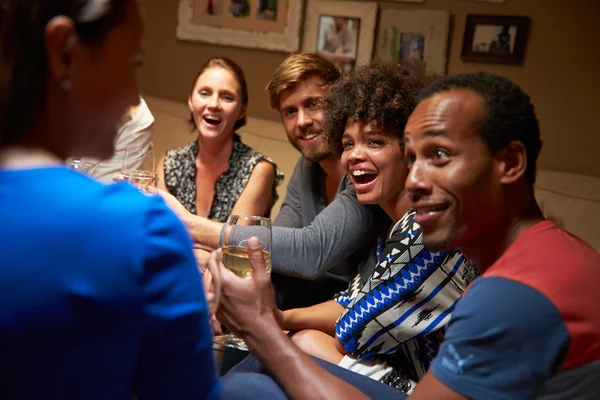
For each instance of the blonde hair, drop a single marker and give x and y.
(297, 68)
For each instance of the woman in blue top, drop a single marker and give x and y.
(100, 294)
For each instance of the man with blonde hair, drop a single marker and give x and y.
(296, 91)
(322, 235)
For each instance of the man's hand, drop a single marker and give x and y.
(246, 307)
(246, 304)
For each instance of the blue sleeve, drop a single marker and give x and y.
(176, 360)
(504, 341)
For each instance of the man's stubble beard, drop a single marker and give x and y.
(323, 153)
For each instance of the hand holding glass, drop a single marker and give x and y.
(234, 255)
(211, 281)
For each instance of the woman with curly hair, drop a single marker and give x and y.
(388, 325)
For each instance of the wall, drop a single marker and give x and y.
(560, 71)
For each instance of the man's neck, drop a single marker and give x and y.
(334, 172)
(333, 168)
(485, 249)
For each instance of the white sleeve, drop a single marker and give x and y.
(135, 133)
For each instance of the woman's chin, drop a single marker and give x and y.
(367, 198)
(212, 134)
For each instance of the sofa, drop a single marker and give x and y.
(570, 200)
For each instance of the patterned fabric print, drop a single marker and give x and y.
(345, 298)
(407, 301)
(180, 177)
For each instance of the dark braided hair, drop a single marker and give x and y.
(378, 92)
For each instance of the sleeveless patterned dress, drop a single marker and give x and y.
(180, 177)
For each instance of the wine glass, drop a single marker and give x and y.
(85, 167)
(234, 255)
(138, 168)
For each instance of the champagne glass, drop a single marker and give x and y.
(138, 168)
(234, 255)
(85, 167)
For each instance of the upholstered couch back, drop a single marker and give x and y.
(572, 201)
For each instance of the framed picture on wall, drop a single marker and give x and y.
(406, 35)
(495, 38)
(262, 24)
(341, 31)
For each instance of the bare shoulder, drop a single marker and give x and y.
(263, 170)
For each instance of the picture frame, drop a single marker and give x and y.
(341, 31)
(272, 25)
(408, 34)
(495, 38)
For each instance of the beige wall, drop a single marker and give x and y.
(561, 69)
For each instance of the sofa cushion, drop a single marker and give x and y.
(572, 201)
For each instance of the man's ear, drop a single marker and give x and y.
(512, 162)
(61, 40)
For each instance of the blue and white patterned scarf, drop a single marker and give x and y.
(400, 313)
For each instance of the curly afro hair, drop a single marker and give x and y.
(380, 93)
(509, 114)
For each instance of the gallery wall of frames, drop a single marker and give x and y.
(353, 32)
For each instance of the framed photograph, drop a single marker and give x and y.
(341, 31)
(261, 24)
(495, 38)
(406, 35)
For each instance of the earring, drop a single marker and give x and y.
(65, 84)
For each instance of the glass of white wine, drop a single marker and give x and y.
(139, 168)
(234, 255)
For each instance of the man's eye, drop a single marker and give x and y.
(315, 104)
(440, 153)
